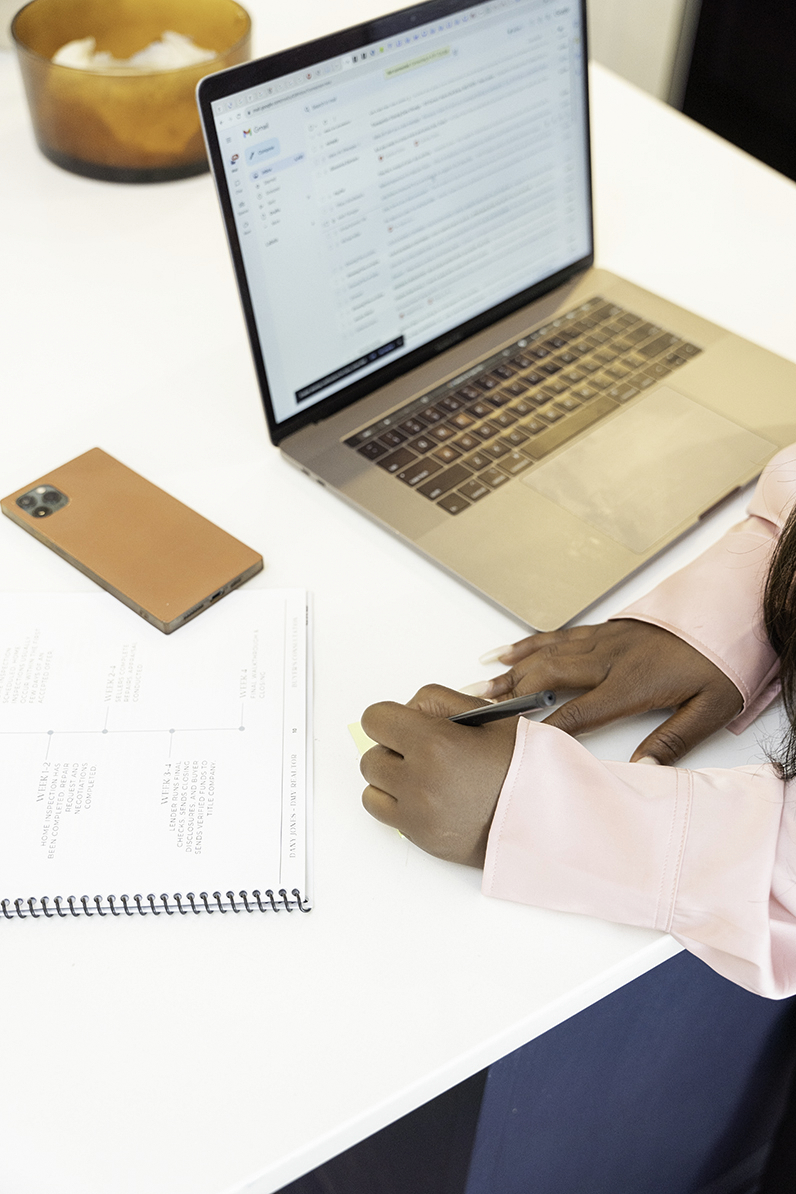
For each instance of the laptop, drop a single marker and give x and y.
(408, 206)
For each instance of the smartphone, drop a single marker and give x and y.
(159, 557)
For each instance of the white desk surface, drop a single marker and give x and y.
(212, 1054)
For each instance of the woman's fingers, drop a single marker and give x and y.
(547, 669)
(437, 701)
(571, 639)
(380, 805)
(689, 725)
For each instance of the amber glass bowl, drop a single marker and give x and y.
(123, 125)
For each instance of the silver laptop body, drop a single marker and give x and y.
(408, 206)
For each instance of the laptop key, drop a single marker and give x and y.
(396, 460)
(497, 449)
(659, 369)
(419, 471)
(493, 477)
(485, 431)
(514, 464)
(421, 445)
(439, 485)
(623, 392)
(454, 503)
(372, 450)
(601, 381)
(442, 432)
(432, 415)
(474, 490)
(641, 381)
(392, 438)
(517, 435)
(553, 437)
(467, 442)
(447, 454)
(642, 332)
(478, 460)
(413, 426)
(534, 426)
(535, 379)
(658, 345)
(550, 414)
(504, 418)
(462, 420)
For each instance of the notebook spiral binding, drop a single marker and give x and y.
(126, 905)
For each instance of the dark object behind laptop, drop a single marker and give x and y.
(740, 83)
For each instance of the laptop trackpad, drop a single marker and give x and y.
(638, 477)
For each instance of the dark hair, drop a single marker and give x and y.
(779, 615)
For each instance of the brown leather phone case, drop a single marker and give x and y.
(159, 557)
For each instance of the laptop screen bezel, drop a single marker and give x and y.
(262, 70)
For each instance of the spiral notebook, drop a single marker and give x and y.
(151, 775)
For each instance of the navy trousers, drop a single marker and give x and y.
(676, 1084)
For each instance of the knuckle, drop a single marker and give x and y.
(510, 683)
(668, 745)
(567, 718)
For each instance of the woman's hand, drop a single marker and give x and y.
(436, 781)
(626, 667)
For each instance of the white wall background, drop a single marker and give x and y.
(637, 39)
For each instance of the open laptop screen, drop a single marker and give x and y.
(383, 198)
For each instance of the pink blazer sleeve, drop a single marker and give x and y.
(715, 602)
(708, 856)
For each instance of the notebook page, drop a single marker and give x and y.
(137, 763)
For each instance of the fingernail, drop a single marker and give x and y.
(648, 759)
(494, 656)
(481, 689)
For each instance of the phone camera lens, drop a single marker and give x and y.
(26, 501)
(52, 497)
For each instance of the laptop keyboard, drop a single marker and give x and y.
(460, 442)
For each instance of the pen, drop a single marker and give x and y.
(523, 704)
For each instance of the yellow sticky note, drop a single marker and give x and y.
(361, 739)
